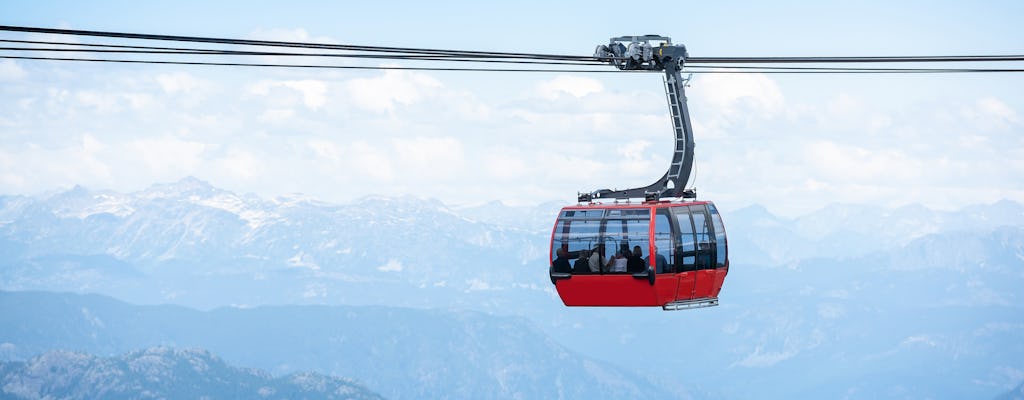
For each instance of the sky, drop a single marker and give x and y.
(792, 143)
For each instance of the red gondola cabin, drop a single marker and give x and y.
(687, 239)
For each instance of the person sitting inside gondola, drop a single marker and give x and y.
(582, 264)
(660, 264)
(597, 260)
(618, 263)
(561, 263)
(635, 262)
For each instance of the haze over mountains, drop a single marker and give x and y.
(401, 353)
(160, 373)
(849, 301)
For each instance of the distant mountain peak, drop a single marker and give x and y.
(183, 188)
(76, 192)
(191, 183)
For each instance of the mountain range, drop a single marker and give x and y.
(849, 301)
(160, 372)
(398, 352)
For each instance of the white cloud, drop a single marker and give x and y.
(277, 115)
(79, 162)
(732, 94)
(847, 163)
(383, 92)
(242, 164)
(760, 138)
(313, 92)
(995, 107)
(179, 82)
(432, 158)
(138, 101)
(502, 165)
(365, 160)
(326, 150)
(290, 35)
(633, 159)
(103, 102)
(11, 71)
(574, 86)
(166, 155)
(990, 113)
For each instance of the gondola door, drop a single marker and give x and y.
(704, 276)
(685, 253)
(622, 230)
(667, 283)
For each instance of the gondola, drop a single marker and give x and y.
(650, 246)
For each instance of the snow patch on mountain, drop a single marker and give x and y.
(253, 216)
(392, 265)
(303, 260)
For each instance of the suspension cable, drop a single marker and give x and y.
(693, 64)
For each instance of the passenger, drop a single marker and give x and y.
(618, 263)
(561, 263)
(582, 264)
(660, 264)
(635, 263)
(597, 260)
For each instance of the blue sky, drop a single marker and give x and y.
(791, 143)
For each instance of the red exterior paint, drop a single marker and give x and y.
(626, 290)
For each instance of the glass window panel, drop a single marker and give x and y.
(639, 236)
(577, 237)
(705, 246)
(664, 261)
(721, 250)
(686, 244)
(578, 214)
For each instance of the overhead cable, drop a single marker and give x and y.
(249, 42)
(168, 55)
(765, 70)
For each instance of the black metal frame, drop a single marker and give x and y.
(641, 55)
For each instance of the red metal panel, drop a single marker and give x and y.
(705, 282)
(719, 280)
(666, 286)
(686, 285)
(607, 290)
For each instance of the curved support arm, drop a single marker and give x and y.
(673, 184)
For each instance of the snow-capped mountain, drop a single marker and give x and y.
(192, 232)
(847, 230)
(195, 243)
(864, 300)
(160, 372)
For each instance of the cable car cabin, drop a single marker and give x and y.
(595, 260)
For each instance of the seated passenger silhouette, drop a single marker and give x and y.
(617, 263)
(561, 263)
(582, 264)
(635, 262)
(597, 260)
(660, 264)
